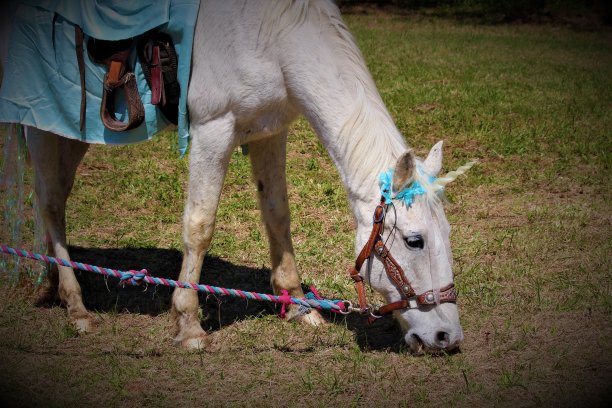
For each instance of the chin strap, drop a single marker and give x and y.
(376, 247)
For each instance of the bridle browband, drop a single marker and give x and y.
(375, 246)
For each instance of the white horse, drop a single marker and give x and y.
(257, 65)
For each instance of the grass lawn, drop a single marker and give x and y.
(531, 244)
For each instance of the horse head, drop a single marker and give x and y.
(406, 253)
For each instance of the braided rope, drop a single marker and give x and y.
(452, 175)
(133, 277)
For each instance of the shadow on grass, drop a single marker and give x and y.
(383, 334)
(106, 295)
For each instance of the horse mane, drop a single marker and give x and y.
(369, 141)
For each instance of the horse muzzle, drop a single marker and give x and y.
(433, 341)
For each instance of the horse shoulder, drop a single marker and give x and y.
(231, 73)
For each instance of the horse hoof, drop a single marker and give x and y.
(84, 324)
(313, 318)
(201, 342)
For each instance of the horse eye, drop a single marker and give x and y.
(415, 242)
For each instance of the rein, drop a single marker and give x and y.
(375, 246)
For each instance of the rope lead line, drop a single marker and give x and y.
(133, 277)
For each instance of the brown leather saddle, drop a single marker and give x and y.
(159, 63)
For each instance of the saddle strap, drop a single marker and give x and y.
(157, 82)
(159, 63)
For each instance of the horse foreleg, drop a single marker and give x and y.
(268, 159)
(49, 295)
(211, 149)
(55, 160)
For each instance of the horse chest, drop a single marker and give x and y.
(263, 125)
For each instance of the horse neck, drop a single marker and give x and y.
(366, 145)
(328, 78)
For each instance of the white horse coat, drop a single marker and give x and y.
(257, 65)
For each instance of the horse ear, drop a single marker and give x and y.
(433, 162)
(404, 170)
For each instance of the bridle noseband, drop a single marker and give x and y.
(375, 246)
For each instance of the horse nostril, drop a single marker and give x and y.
(443, 338)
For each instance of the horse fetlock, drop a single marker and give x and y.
(287, 277)
(72, 299)
(186, 316)
(190, 334)
(294, 290)
(183, 321)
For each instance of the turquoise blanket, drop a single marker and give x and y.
(41, 84)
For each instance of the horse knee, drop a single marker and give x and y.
(197, 231)
(51, 210)
(53, 214)
(274, 211)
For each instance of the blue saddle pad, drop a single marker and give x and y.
(41, 84)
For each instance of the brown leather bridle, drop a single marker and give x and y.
(375, 246)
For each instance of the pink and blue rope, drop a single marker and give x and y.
(133, 277)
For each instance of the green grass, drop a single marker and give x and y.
(530, 238)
